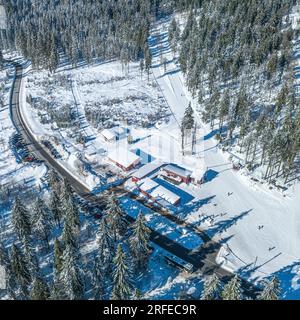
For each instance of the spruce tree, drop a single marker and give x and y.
(11, 284)
(21, 219)
(56, 292)
(116, 217)
(53, 180)
(30, 257)
(39, 290)
(139, 242)
(20, 269)
(98, 280)
(106, 247)
(271, 290)
(57, 264)
(72, 214)
(232, 290)
(55, 207)
(188, 119)
(57, 286)
(41, 223)
(66, 190)
(68, 206)
(212, 287)
(68, 235)
(71, 276)
(122, 287)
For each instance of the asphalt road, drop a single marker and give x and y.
(202, 259)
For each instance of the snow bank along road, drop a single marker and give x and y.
(33, 145)
(203, 259)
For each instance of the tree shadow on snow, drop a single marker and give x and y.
(289, 277)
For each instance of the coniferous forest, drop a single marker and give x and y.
(238, 60)
(82, 30)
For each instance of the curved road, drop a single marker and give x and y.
(33, 145)
(203, 259)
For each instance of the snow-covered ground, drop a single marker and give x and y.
(239, 206)
(99, 96)
(141, 103)
(12, 172)
(259, 227)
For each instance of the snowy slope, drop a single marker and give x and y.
(254, 253)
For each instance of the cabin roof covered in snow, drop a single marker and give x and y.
(113, 133)
(109, 134)
(148, 184)
(163, 193)
(198, 173)
(123, 157)
(118, 130)
(182, 172)
(147, 169)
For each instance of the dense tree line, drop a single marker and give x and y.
(214, 289)
(238, 60)
(81, 29)
(54, 230)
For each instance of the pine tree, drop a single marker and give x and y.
(105, 247)
(232, 290)
(40, 290)
(20, 269)
(66, 191)
(187, 124)
(41, 224)
(116, 217)
(53, 179)
(139, 242)
(57, 264)
(10, 283)
(271, 291)
(68, 206)
(68, 236)
(71, 276)
(55, 207)
(30, 257)
(20, 219)
(56, 290)
(71, 214)
(174, 34)
(188, 121)
(212, 287)
(122, 287)
(57, 286)
(98, 280)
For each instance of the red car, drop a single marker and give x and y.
(29, 158)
